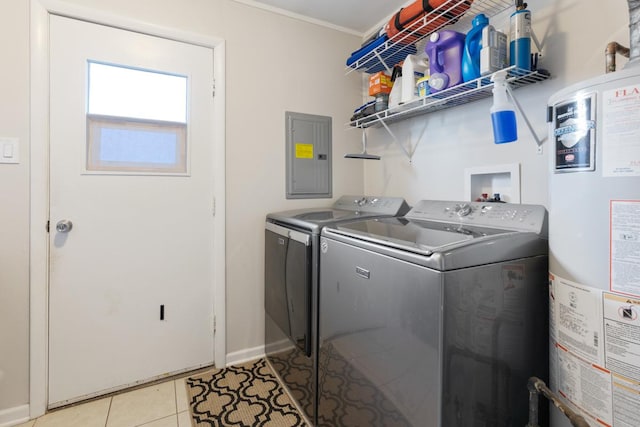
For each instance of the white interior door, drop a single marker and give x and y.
(131, 283)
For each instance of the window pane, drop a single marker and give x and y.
(137, 146)
(127, 92)
(116, 144)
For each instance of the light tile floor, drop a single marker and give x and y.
(159, 405)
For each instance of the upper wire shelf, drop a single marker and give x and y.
(393, 50)
(463, 93)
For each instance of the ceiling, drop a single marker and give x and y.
(358, 17)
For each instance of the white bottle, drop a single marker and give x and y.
(396, 90)
(414, 68)
(503, 115)
(493, 55)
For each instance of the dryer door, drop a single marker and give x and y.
(288, 284)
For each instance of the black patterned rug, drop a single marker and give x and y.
(247, 395)
(347, 397)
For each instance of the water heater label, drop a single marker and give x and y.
(574, 134)
(624, 249)
(595, 352)
(621, 132)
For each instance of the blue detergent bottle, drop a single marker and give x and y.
(472, 46)
(503, 115)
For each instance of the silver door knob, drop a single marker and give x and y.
(64, 226)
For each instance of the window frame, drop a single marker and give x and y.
(91, 163)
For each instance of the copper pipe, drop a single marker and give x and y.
(537, 386)
(612, 49)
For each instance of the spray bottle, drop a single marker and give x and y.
(520, 45)
(503, 115)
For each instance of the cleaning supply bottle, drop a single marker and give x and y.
(503, 115)
(471, 55)
(414, 68)
(493, 55)
(445, 50)
(396, 89)
(520, 45)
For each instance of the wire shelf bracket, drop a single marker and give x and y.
(539, 141)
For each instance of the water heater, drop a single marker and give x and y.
(594, 249)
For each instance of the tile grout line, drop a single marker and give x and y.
(106, 421)
(175, 399)
(175, 414)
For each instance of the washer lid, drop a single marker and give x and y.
(421, 237)
(438, 245)
(346, 208)
(314, 219)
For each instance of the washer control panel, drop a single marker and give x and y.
(373, 204)
(508, 216)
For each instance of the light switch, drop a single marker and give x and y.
(9, 150)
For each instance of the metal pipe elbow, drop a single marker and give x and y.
(611, 50)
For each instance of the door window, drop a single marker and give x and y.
(136, 120)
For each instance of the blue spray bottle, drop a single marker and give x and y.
(520, 45)
(503, 114)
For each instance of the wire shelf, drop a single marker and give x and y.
(386, 55)
(463, 93)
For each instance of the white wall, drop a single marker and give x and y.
(574, 34)
(14, 206)
(274, 64)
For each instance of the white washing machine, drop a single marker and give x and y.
(436, 319)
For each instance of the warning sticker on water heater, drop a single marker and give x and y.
(578, 326)
(625, 246)
(622, 335)
(585, 322)
(622, 338)
(621, 132)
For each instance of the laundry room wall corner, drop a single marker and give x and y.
(14, 213)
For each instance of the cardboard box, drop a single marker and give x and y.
(379, 83)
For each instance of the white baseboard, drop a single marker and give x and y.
(14, 416)
(243, 356)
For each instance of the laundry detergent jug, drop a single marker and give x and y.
(472, 46)
(413, 69)
(444, 49)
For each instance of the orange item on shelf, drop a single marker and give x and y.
(438, 13)
(379, 83)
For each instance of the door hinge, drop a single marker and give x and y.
(214, 324)
(47, 226)
(213, 88)
(213, 206)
